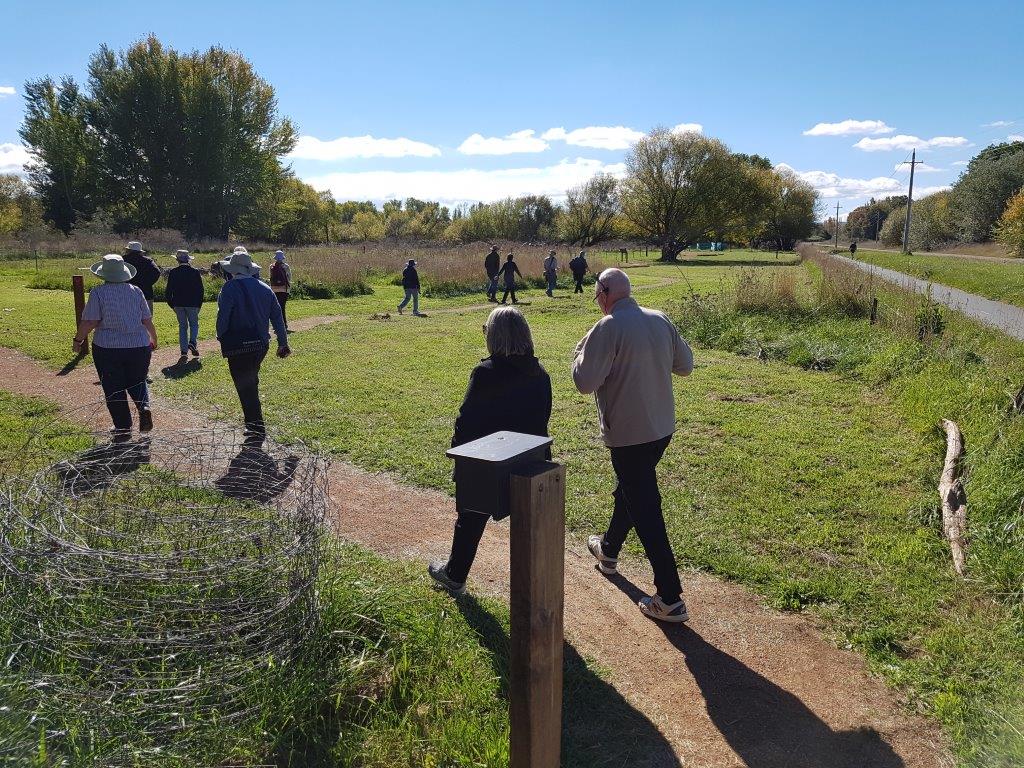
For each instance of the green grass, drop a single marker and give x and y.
(815, 488)
(997, 280)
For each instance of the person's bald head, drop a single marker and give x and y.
(612, 285)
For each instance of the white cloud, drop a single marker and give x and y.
(849, 128)
(13, 158)
(595, 137)
(999, 124)
(921, 167)
(465, 185)
(961, 162)
(6, 90)
(833, 185)
(688, 128)
(907, 143)
(520, 141)
(349, 147)
(920, 192)
(1015, 137)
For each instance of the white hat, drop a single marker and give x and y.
(239, 249)
(113, 269)
(135, 246)
(183, 256)
(240, 263)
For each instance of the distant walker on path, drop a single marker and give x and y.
(627, 361)
(578, 266)
(184, 295)
(411, 284)
(281, 282)
(509, 269)
(551, 272)
(146, 270)
(492, 266)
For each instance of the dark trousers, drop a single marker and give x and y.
(469, 527)
(579, 284)
(282, 299)
(492, 287)
(638, 505)
(509, 289)
(245, 372)
(122, 374)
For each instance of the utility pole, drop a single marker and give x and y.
(910, 201)
(837, 226)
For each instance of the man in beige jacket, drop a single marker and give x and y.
(627, 360)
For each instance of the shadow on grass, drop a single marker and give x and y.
(766, 725)
(181, 370)
(71, 364)
(599, 727)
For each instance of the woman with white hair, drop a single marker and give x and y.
(508, 390)
(123, 344)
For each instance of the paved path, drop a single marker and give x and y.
(1000, 315)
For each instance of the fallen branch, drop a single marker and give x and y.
(953, 496)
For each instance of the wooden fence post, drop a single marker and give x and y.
(78, 288)
(537, 554)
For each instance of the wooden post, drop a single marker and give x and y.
(537, 553)
(78, 288)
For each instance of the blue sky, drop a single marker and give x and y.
(436, 99)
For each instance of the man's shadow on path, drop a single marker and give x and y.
(599, 727)
(255, 475)
(181, 370)
(97, 468)
(767, 726)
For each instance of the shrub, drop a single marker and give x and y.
(1010, 229)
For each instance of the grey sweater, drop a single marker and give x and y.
(627, 360)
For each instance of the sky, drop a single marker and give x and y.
(471, 101)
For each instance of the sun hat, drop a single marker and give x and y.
(551, 253)
(239, 249)
(240, 263)
(278, 255)
(113, 269)
(135, 247)
(183, 256)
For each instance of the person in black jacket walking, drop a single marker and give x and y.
(492, 265)
(411, 284)
(579, 268)
(509, 390)
(184, 295)
(509, 269)
(146, 270)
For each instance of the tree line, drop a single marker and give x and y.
(985, 203)
(157, 139)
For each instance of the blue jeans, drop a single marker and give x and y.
(188, 327)
(415, 297)
(552, 281)
(123, 373)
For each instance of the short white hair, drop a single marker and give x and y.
(508, 333)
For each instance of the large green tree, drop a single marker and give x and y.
(682, 187)
(980, 195)
(590, 211)
(159, 139)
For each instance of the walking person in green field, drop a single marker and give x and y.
(184, 295)
(509, 270)
(281, 283)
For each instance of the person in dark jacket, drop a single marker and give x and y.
(492, 265)
(509, 390)
(146, 270)
(509, 269)
(411, 284)
(579, 267)
(184, 295)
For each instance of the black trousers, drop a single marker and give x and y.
(638, 505)
(509, 289)
(469, 528)
(579, 284)
(245, 372)
(282, 299)
(122, 373)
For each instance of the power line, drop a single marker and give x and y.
(910, 199)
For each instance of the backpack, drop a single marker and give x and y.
(277, 274)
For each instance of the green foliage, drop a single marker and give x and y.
(589, 216)
(980, 195)
(522, 219)
(20, 209)
(160, 139)
(1010, 229)
(892, 230)
(931, 223)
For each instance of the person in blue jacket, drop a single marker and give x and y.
(246, 307)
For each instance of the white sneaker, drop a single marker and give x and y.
(655, 608)
(609, 566)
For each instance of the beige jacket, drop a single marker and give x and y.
(627, 360)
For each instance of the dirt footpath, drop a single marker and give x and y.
(741, 685)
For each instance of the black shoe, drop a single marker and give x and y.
(118, 436)
(145, 420)
(194, 349)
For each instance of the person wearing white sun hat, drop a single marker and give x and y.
(246, 307)
(184, 295)
(123, 343)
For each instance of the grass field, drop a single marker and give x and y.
(815, 488)
(997, 280)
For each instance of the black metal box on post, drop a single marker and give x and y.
(506, 474)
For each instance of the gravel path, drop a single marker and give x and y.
(1000, 315)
